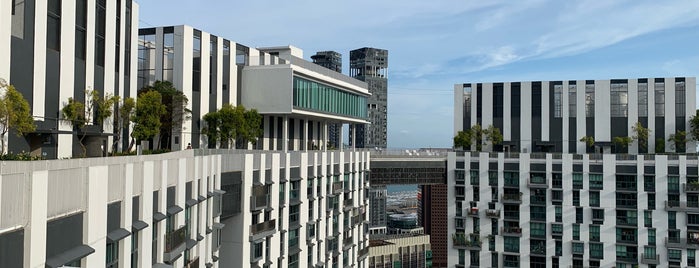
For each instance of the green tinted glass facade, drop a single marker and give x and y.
(313, 96)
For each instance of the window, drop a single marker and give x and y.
(626, 200)
(648, 218)
(146, 60)
(557, 180)
(557, 229)
(134, 250)
(100, 32)
(619, 99)
(558, 100)
(475, 260)
(626, 217)
(576, 231)
(659, 98)
(578, 215)
(590, 100)
(572, 100)
(651, 236)
(594, 199)
(596, 250)
(112, 255)
(511, 244)
(467, 100)
(680, 98)
(559, 214)
(492, 178)
(538, 213)
(626, 182)
(510, 261)
(674, 254)
(538, 229)
(494, 260)
(293, 214)
(257, 250)
(559, 248)
(196, 63)
(294, 260)
(595, 181)
(53, 26)
(168, 56)
(594, 233)
(642, 99)
(649, 183)
(672, 219)
(577, 181)
(491, 242)
(293, 238)
(626, 235)
(691, 258)
(673, 184)
(576, 198)
(462, 256)
(81, 29)
(511, 179)
(651, 201)
(578, 248)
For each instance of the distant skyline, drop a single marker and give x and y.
(434, 45)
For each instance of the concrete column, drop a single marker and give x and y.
(285, 134)
(35, 231)
(94, 231)
(304, 139)
(145, 236)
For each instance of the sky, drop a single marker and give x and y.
(435, 44)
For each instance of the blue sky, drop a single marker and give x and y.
(436, 44)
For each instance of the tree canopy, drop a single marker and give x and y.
(232, 123)
(14, 113)
(149, 110)
(175, 103)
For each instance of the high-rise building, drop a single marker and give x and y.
(328, 59)
(377, 216)
(371, 65)
(333, 61)
(552, 199)
(432, 216)
(56, 50)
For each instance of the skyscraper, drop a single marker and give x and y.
(371, 66)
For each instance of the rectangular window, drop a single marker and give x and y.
(596, 181)
(294, 260)
(651, 201)
(594, 199)
(590, 100)
(53, 26)
(511, 244)
(112, 255)
(511, 179)
(680, 98)
(557, 100)
(538, 229)
(619, 99)
(673, 184)
(559, 214)
(168, 56)
(81, 29)
(674, 254)
(596, 250)
(576, 232)
(557, 180)
(672, 219)
(467, 101)
(578, 248)
(649, 183)
(642, 99)
(100, 32)
(648, 218)
(572, 100)
(196, 64)
(594, 233)
(577, 181)
(659, 99)
(576, 198)
(691, 258)
(651, 236)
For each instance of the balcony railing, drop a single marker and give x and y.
(175, 238)
(348, 202)
(337, 187)
(258, 202)
(691, 187)
(262, 227)
(471, 242)
(511, 230)
(492, 213)
(363, 253)
(537, 182)
(650, 258)
(516, 198)
(472, 211)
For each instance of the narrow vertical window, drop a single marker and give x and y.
(642, 99)
(659, 97)
(557, 101)
(196, 68)
(680, 98)
(572, 99)
(53, 25)
(590, 100)
(117, 53)
(80, 29)
(168, 55)
(619, 99)
(100, 29)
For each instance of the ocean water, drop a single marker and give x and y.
(391, 189)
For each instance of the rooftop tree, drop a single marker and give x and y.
(146, 119)
(14, 114)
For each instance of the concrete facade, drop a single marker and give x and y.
(401, 250)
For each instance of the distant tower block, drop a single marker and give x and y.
(371, 66)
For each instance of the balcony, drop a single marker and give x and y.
(675, 242)
(516, 231)
(673, 205)
(512, 198)
(691, 187)
(337, 187)
(537, 182)
(650, 259)
(492, 213)
(263, 227)
(259, 202)
(468, 242)
(348, 203)
(348, 241)
(473, 212)
(363, 253)
(539, 249)
(175, 243)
